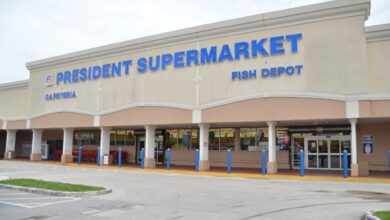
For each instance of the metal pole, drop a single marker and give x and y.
(168, 159)
(120, 157)
(98, 157)
(80, 154)
(263, 162)
(197, 160)
(345, 164)
(229, 161)
(302, 163)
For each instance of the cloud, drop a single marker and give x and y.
(33, 30)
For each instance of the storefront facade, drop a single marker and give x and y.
(311, 78)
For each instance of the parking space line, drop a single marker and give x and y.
(14, 204)
(19, 172)
(12, 194)
(10, 198)
(53, 203)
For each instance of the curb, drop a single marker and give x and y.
(369, 216)
(56, 193)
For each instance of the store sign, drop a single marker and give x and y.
(60, 95)
(263, 47)
(368, 144)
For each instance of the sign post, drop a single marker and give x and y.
(263, 162)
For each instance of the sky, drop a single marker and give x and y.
(37, 29)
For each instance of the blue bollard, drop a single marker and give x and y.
(98, 157)
(345, 164)
(301, 163)
(120, 157)
(263, 162)
(388, 155)
(229, 161)
(142, 158)
(80, 155)
(197, 160)
(168, 159)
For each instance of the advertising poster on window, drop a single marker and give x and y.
(368, 144)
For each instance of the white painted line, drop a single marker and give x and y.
(12, 194)
(15, 204)
(53, 203)
(31, 198)
(19, 172)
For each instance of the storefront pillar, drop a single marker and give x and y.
(236, 139)
(36, 149)
(272, 164)
(204, 163)
(10, 145)
(104, 144)
(67, 146)
(150, 133)
(354, 164)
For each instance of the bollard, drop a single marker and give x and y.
(345, 164)
(80, 155)
(120, 157)
(388, 155)
(301, 163)
(168, 159)
(98, 156)
(229, 161)
(142, 158)
(197, 160)
(263, 162)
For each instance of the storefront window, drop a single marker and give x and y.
(282, 139)
(182, 139)
(86, 137)
(253, 139)
(113, 137)
(120, 137)
(129, 137)
(221, 138)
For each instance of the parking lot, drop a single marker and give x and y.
(149, 195)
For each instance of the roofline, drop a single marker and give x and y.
(14, 85)
(378, 32)
(293, 16)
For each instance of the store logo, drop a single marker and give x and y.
(49, 80)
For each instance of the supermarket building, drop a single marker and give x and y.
(312, 78)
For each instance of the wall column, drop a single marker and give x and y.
(10, 145)
(104, 144)
(354, 164)
(150, 135)
(272, 164)
(36, 149)
(237, 139)
(204, 163)
(67, 146)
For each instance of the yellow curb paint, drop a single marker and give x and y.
(243, 175)
(223, 174)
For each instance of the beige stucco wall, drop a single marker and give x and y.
(380, 132)
(378, 64)
(15, 103)
(333, 53)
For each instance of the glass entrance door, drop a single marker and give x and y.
(159, 149)
(325, 152)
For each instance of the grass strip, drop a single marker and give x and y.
(56, 186)
(384, 215)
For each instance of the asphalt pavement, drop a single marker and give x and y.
(148, 195)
